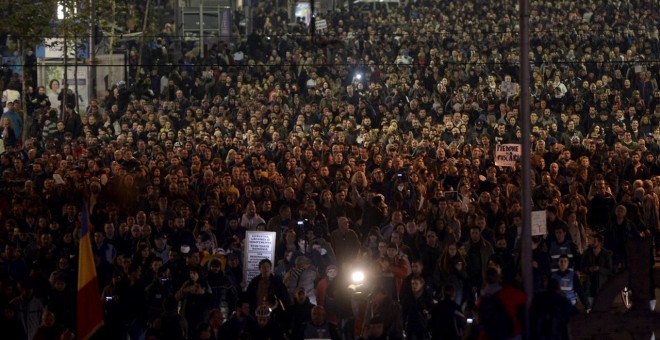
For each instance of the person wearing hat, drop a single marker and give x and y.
(577, 149)
(265, 327)
(651, 163)
(651, 143)
(554, 150)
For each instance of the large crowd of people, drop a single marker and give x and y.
(369, 145)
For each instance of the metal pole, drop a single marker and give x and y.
(201, 29)
(65, 87)
(92, 52)
(312, 21)
(291, 9)
(178, 32)
(142, 42)
(248, 17)
(527, 204)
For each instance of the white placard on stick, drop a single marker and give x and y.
(259, 245)
(507, 154)
(539, 223)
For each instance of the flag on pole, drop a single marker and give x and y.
(90, 312)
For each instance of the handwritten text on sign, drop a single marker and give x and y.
(507, 154)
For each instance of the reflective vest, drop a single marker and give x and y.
(566, 285)
(556, 250)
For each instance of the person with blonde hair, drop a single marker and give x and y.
(9, 138)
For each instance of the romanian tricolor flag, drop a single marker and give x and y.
(90, 312)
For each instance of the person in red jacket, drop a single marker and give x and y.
(395, 264)
(323, 299)
(511, 300)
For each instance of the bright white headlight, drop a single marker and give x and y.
(357, 276)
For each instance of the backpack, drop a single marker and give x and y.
(494, 319)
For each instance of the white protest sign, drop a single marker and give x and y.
(259, 245)
(321, 24)
(507, 154)
(539, 223)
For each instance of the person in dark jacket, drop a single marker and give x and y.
(317, 327)
(159, 289)
(10, 325)
(540, 264)
(72, 121)
(299, 312)
(382, 306)
(601, 205)
(171, 324)
(447, 321)
(222, 291)
(61, 301)
(265, 283)
(132, 302)
(239, 322)
(265, 328)
(194, 296)
(597, 265)
(415, 310)
(550, 314)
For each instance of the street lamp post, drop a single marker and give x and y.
(526, 162)
(92, 50)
